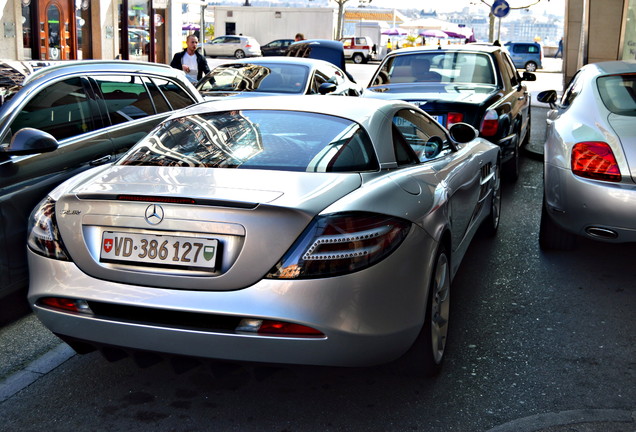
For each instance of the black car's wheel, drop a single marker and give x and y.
(551, 235)
(357, 58)
(511, 167)
(531, 66)
(526, 139)
(490, 225)
(239, 54)
(425, 357)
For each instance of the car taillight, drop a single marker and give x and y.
(341, 243)
(595, 160)
(453, 118)
(489, 124)
(44, 236)
(248, 46)
(276, 328)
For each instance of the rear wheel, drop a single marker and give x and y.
(511, 167)
(239, 54)
(490, 225)
(427, 353)
(551, 235)
(531, 66)
(357, 58)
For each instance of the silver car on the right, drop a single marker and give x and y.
(590, 158)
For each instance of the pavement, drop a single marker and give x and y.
(28, 351)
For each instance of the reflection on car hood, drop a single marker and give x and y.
(309, 192)
(465, 93)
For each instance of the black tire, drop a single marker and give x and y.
(551, 235)
(511, 167)
(531, 66)
(357, 58)
(426, 356)
(526, 139)
(239, 54)
(490, 225)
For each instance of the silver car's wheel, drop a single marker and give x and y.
(357, 58)
(491, 223)
(439, 311)
(239, 54)
(425, 357)
(531, 66)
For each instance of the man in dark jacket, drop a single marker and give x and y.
(190, 61)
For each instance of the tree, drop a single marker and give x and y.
(340, 23)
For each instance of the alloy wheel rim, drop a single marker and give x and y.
(440, 308)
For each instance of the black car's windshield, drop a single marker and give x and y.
(268, 78)
(618, 93)
(258, 139)
(437, 67)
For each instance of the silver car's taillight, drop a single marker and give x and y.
(44, 236)
(341, 243)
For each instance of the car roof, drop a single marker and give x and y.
(613, 67)
(353, 108)
(467, 48)
(278, 60)
(88, 66)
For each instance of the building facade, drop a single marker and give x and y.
(148, 30)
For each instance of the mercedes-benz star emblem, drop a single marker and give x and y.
(154, 214)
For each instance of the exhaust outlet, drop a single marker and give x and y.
(602, 233)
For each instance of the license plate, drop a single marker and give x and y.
(160, 250)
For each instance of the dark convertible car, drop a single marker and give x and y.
(475, 84)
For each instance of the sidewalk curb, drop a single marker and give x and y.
(594, 419)
(34, 371)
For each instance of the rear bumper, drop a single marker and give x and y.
(368, 317)
(594, 209)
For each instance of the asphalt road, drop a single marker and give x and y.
(538, 342)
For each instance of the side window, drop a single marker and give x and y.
(62, 109)
(572, 91)
(125, 97)
(509, 71)
(318, 78)
(425, 138)
(176, 96)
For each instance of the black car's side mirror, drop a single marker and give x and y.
(31, 141)
(549, 97)
(327, 87)
(528, 76)
(463, 133)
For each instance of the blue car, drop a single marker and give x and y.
(526, 55)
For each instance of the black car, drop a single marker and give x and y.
(474, 84)
(95, 110)
(276, 47)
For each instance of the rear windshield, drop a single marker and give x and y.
(258, 139)
(437, 66)
(618, 93)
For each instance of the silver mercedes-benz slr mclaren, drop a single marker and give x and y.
(291, 229)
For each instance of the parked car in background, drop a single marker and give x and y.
(276, 47)
(476, 84)
(282, 229)
(359, 49)
(590, 158)
(526, 55)
(276, 75)
(232, 46)
(92, 111)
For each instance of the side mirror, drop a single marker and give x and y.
(327, 87)
(463, 133)
(528, 76)
(31, 141)
(548, 96)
